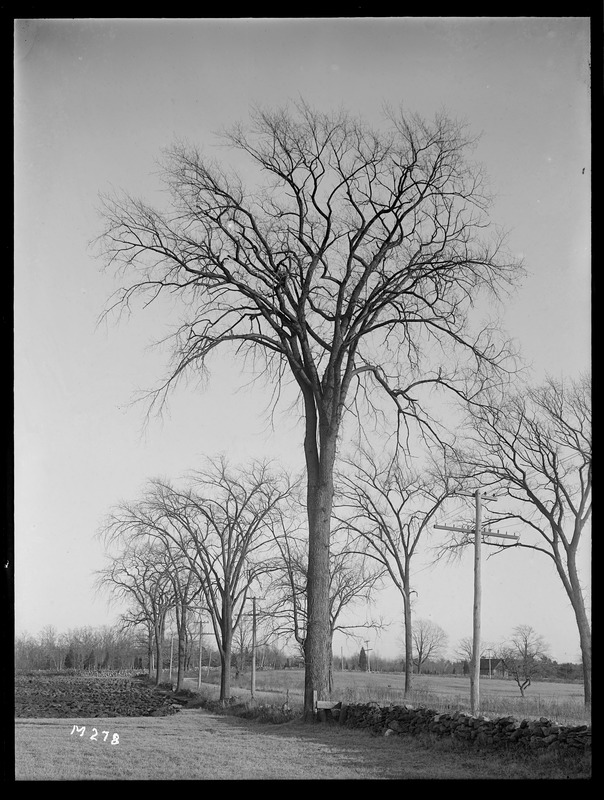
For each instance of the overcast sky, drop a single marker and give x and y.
(97, 100)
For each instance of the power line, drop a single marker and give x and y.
(453, 513)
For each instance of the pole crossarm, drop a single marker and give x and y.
(473, 495)
(470, 529)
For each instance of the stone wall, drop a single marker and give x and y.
(479, 730)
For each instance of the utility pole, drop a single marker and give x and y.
(478, 534)
(367, 649)
(253, 688)
(171, 653)
(490, 652)
(200, 651)
(475, 672)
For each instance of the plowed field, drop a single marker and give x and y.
(79, 696)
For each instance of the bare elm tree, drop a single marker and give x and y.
(349, 266)
(535, 445)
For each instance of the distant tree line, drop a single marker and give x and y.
(113, 648)
(86, 648)
(549, 670)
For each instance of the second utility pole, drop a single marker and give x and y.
(475, 673)
(478, 534)
(253, 687)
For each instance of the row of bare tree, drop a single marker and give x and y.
(353, 270)
(523, 657)
(230, 533)
(207, 547)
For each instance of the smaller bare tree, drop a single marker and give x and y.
(138, 575)
(388, 510)
(523, 656)
(535, 445)
(222, 523)
(429, 640)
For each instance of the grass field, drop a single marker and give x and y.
(562, 702)
(197, 745)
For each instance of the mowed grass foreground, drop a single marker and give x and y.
(197, 745)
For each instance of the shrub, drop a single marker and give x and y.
(263, 713)
(186, 693)
(275, 715)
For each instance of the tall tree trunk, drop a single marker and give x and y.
(584, 640)
(181, 629)
(317, 646)
(584, 629)
(225, 672)
(158, 653)
(150, 651)
(226, 646)
(181, 650)
(408, 637)
(574, 591)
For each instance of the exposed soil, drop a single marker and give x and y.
(82, 696)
